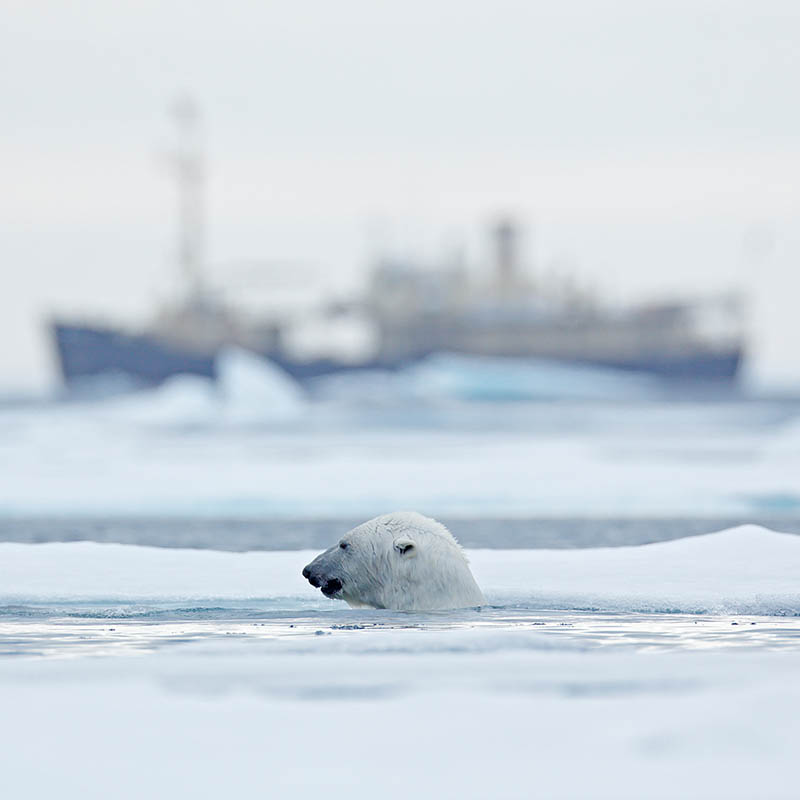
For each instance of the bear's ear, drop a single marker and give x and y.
(405, 547)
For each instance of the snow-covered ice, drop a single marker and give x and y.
(580, 462)
(244, 720)
(746, 570)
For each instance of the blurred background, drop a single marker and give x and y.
(303, 260)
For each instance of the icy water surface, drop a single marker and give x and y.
(70, 626)
(63, 633)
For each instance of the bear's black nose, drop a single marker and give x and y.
(311, 577)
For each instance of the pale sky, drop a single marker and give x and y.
(650, 147)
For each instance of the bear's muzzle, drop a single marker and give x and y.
(329, 586)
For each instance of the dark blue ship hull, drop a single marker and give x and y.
(86, 352)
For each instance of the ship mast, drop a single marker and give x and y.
(190, 173)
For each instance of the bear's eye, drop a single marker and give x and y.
(343, 545)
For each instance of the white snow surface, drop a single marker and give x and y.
(744, 570)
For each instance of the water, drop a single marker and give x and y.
(60, 632)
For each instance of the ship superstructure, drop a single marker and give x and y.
(419, 312)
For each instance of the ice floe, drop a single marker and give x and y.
(745, 570)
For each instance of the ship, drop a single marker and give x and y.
(412, 312)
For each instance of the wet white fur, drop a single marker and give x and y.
(403, 561)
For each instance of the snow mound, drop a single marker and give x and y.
(746, 570)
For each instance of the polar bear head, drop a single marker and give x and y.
(402, 561)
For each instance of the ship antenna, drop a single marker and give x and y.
(189, 169)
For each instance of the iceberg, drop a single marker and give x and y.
(482, 379)
(474, 378)
(249, 391)
(255, 391)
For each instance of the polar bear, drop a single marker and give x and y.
(402, 561)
